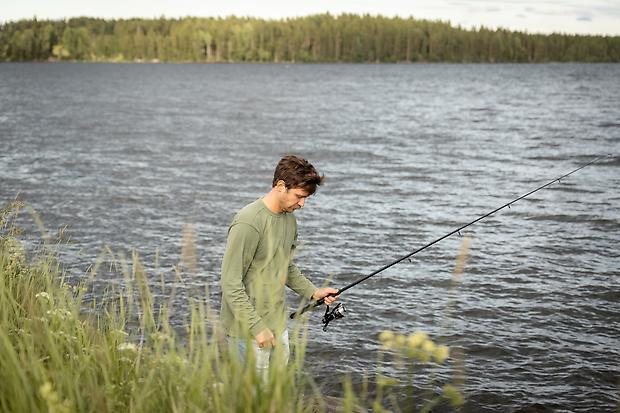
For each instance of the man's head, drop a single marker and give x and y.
(294, 180)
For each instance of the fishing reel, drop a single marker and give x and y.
(337, 312)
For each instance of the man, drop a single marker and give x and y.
(258, 262)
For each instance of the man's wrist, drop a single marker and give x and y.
(257, 328)
(313, 292)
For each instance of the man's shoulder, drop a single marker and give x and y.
(250, 214)
(251, 210)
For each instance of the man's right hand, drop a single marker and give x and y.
(265, 339)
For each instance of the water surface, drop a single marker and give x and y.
(124, 155)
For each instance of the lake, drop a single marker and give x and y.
(125, 155)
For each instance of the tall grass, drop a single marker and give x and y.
(65, 350)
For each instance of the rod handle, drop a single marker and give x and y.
(308, 306)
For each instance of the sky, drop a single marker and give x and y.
(544, 16)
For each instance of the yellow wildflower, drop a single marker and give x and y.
(417, 338)
(428, 346)
(441, 353)
(386, 336)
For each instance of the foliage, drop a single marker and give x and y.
(65, 349)
(409, 350)
(316, 38)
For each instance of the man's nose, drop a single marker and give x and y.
(301, 202)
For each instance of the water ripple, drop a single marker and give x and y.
(126, 154)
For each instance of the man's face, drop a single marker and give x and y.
(293, 198)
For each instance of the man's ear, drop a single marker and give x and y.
(281, 185)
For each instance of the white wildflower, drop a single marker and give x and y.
(60, 314)
(127, 347)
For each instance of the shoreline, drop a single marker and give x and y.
(284, 63)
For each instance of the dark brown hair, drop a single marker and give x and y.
(297, 172)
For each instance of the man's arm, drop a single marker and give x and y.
(302, 286)
(240, 248)
(297, 282)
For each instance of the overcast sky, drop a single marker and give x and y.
(544, 16)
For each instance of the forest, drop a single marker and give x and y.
(317, 38)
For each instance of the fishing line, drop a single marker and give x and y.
(339, 311)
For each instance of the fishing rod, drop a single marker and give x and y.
(339, 311)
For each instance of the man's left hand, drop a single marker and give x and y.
(325, 292)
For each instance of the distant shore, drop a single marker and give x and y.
(155, 62)
(323, 38)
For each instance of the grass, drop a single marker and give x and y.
(63, 349)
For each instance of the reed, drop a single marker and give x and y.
(65, 349)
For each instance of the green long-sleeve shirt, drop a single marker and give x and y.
(257, 264)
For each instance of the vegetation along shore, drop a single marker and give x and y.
(347, 38)
(64, 348)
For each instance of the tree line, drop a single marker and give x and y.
(316, 38)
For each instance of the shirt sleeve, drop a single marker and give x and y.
(295, 280)
(298, 283)
(240, 248)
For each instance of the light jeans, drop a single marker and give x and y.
(263, 356)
